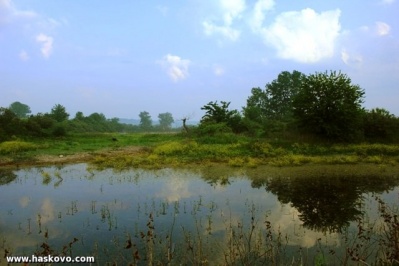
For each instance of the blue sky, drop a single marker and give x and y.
(123, 57)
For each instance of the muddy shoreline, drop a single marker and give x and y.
(79, 157)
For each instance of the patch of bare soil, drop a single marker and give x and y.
(80, 157)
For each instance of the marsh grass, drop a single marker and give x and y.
(175, 150)
(251, 155)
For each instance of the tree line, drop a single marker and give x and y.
(324, 106)
(17, 121)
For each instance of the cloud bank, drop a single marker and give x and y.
(304, 36)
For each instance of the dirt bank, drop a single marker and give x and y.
(46, 159)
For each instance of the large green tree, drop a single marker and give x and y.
(165, 120)
(58, 112)
(328, 104)
(20, 109)
(275, 102)
(145, 120)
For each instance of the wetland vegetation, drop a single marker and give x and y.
(303, 175)
(295, 120)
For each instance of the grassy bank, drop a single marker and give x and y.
(175, 150)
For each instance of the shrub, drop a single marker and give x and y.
(59, 131)
(215, 133)
(175, 148)
(211, 129)
(380, 125)
(16, 146)
(266, 149)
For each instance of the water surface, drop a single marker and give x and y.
(188, 215)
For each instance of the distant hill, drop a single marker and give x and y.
(176, 124)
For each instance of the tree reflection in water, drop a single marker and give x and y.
(6, 176)
(326, 203)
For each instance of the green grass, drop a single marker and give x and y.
(175, 150)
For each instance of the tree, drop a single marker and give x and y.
(59, 113)
(10, 124)
(145, 120)
(329, 105)
(216, 113)
(79, 116)
(20, 109)
(165, 120)
(97, 118)
(270, 110)
(40, 125)
(381, 125)
(275, 102)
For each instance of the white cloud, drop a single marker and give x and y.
(23, 55)
(382, 28)
(9, 13)
(231, 10)
(29, 23)
(351, 59)
(345, 56)
(226, 31)
(258, 17)
(304, 36)
(47, 44)
(176, 68)
(379, 29)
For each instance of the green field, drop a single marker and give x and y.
(174, 150)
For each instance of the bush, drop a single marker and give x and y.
(59, 131)
(215, 133)
(175, 148)
(16, 146)
(211, 129)
(381, 126)
(265, 149)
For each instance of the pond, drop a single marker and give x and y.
(204, 216)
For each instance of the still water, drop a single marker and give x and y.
(210, 217)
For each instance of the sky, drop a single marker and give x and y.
(123, 57)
